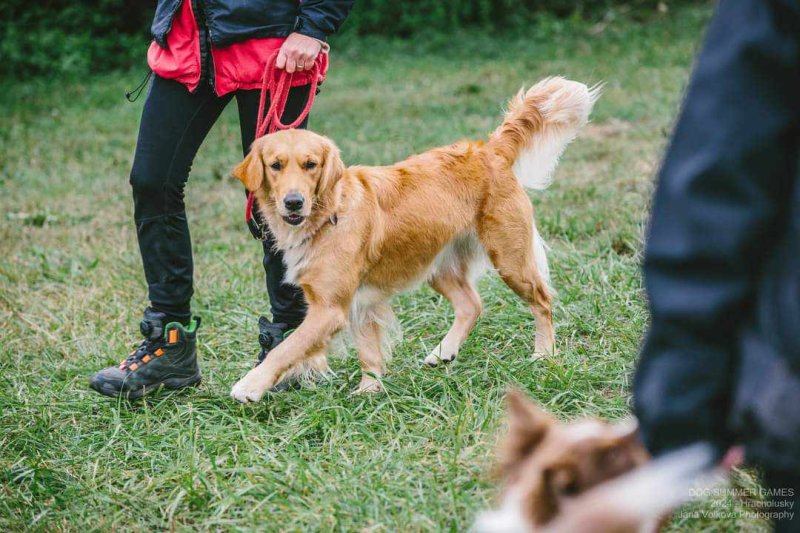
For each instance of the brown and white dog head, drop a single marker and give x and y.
(546, 464)
(292, 173)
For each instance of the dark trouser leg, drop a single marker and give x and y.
(286, 301)
(785, 487)
(174, 124)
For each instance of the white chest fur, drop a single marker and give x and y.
(296, 259)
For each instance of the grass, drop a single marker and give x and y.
(414, 458)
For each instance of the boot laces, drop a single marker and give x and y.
(151, 345)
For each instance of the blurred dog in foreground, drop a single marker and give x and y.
(586, 476)
(354, 237)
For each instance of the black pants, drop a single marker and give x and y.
(174, 124)
(785, 500)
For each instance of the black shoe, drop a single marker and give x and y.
(269, 336)
(166, 358)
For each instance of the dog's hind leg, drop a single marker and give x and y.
(458, 289)
(518, 253)
(368, 327)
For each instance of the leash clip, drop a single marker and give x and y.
(262, 230)
(258, 230)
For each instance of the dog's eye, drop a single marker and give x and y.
(570, 489)
(310, 165)
(276, 165)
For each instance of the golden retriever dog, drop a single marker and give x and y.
(586, 476)
(353, 237)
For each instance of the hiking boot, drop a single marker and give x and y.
(166, 358)
(269, 336)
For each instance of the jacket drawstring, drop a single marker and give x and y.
(139, 88)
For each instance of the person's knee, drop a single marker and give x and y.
(153, 194)
(145, 181)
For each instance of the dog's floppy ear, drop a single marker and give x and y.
(332, 167)
(622, 449)
(251, 170)
(527, 427)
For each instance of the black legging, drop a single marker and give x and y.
(174, 124)
(785, 500)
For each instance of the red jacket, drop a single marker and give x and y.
(237, 66)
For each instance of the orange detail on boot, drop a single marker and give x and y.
(146, 359)
(133, 367)
(159, 352)
(173, 336)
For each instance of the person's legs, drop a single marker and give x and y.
(174, 124)
(286, 301)
(784, 499)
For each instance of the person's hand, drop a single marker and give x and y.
(298, 53)
(734, 457)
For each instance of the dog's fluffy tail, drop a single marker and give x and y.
(539, 124)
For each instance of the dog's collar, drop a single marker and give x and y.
(333, 219)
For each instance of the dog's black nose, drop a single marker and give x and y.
(293, 201)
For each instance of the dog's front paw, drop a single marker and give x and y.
(249, 389)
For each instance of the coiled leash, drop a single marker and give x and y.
(277, 82)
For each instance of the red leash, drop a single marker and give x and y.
(277, 82)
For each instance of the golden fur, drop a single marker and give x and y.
(366, 233)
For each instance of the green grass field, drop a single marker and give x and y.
(414, 458)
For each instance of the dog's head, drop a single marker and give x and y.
(292, 172)
(546, 464)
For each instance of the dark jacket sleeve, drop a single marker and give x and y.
(322, 18)
(721, 194)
